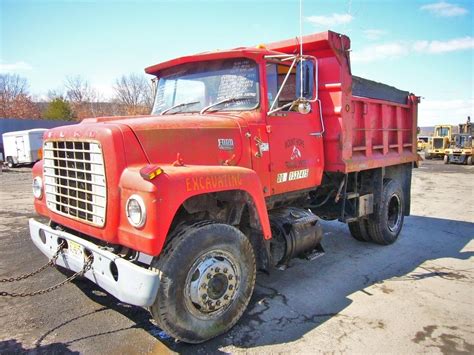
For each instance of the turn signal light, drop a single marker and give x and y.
(150, 172)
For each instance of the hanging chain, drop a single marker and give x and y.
(87, 266)
(52, 262)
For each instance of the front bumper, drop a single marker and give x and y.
(457, 158)
(126, 281)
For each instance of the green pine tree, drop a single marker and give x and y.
(58, 109)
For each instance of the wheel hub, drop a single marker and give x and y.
(212, 283)
(394, 213)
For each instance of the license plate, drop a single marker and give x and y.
(75, 250)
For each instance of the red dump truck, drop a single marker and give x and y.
(244, 153)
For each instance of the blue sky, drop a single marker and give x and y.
(425, 47)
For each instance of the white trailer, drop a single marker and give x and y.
(23, 147)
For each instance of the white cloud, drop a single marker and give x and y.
(431, 112)
(329, 21)
(14, 67)
(380, 51)
(374, 34)
(392, 50)
(446, 46)
(444, 9)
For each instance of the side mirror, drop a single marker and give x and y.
(307, 67)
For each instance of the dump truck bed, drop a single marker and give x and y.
(367, 124)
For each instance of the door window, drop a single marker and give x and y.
(276, 74)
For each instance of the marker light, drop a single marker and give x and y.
(150, 172)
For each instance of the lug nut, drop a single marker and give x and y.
(231, 277)
(231, 287)
(218, 303)
(225, 270)
(217, 269)
(226, 297)
(204, 296)
(208, 276)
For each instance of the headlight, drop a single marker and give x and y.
(136, 211)
(37, 187)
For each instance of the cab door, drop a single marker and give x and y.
(296, 145)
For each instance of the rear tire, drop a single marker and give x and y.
(358, 230)
(385, 224)
(446, 159)
(207, 275)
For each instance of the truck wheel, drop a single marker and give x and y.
(446, 159)
(207, 275)
(358, 230)
(469, 160)
(10, 163)
(385, 224)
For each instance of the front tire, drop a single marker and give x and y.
(446, 159)
(207, 275)
(385, 224)
(469, 161)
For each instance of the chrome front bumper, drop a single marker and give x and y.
(126, 281)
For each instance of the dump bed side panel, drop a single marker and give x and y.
(383, 133)
(376, 128)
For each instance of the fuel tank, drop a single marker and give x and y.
(296, 233)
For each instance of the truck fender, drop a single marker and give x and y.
(175, 185)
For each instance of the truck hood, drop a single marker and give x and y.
(197, 139)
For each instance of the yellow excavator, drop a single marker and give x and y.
(461, 150)
(440, 142)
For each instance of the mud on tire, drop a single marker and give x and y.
(203, 262)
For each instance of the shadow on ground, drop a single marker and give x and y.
(15, 347)
(287, 304)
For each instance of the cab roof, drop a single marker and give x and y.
(318, 44)
(248, 52)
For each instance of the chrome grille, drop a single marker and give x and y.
(74, 179)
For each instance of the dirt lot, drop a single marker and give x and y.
(414, 296)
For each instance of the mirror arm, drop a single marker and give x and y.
(281, 108)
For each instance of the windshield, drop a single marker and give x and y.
(443, 131)
(230, 84)
(462, 140)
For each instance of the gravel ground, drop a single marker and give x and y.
(413, 296)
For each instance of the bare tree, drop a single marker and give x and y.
(78, 90)
(84, 99)
(15, 101)
(134, 93)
